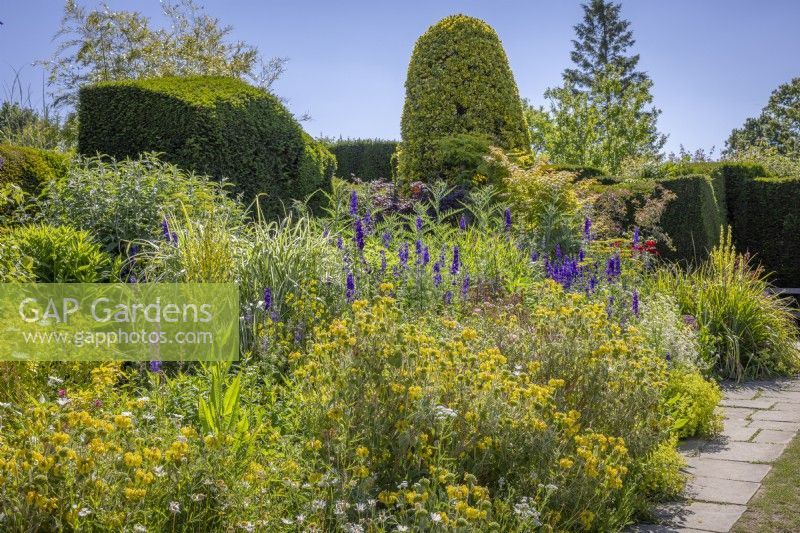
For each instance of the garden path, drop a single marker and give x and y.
(761, 418)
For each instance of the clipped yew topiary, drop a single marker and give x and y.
(30, 168)
(218, 126)
(458, 82)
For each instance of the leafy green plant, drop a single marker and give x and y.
(221, 414)
(692, 401)
(60, 254)
(130, 198)
(746, 330)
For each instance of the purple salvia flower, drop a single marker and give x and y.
(402, 254)
(581, 255)
(456, 261)
(636, 236)
(462, 223)
(386, 239)
(508, 219)
(359, 234)
(354, 203)
(418, 249)
(558, 251)
(339, 243)
(448, 297)
(465, 285)
(368, 221)
(325, 231)
(426, 256)
(437, 274)
(419, 223)
(587, 229)
(534, 256)
(165, 230)
(350, 290)
(635, 303)
(609, 306)
(383, 261)
(267, 299)
(155, 366)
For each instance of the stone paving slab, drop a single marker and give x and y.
(758, 403)
(735, 470)
(750, 452)
(715, 490)
(772, 436)
(760, 419)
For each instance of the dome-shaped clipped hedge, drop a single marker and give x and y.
(217, 126)
(458, 82)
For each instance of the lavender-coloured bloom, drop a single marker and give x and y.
(386, 239)
(395, 272)
(462, 223)
(165, 230)
(456, 261)
(635, 303)
(339, 243)
(592, 283)
(325, 231)
(558, 251)
(402, 254)
(448, 297)
(437, 274)
(368, 221)
(587, 229)
(636, 236)
(465, 285)
(383, 261)
(359, 234)
(418, 250)
(155, 366)
(609, 306)
(508, 218)
(534, 256)
(426, 256)
(298, 333)
(581, 255)
(267, 299)
(351, 287)
(354, 203)
(419, 223)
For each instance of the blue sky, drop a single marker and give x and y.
(713, 62)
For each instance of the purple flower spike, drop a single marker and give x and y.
(426, 256)
(359, 234)
(354, 203)
(587, 229)
(383, 261)
(456, 261)
(350, 291)
(155, 366)
(508, 218)
(635, 303)
(437, 274)
(448, 297)
(419, 223)
(402, 254)
(386, 239)
(267, 299)
(534, 256)
(609, 306)
(462, 223)
(636, 236)
(465, 285)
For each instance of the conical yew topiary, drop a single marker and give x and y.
(458, 83)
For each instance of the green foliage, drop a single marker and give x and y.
(30, 168)
(602, 127)
(107, 44)
(769, 157)
(693, 401)
(746, 331)
(579, 171)
(221, 127)
(61, 254)
(693, 220)
(662, 476)
(458, 82)
(129, 198)
(602, 39)
(366, 159)
(778, 125)
(766, 222)
(463, 160)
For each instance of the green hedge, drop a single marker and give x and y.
(767, 224)
(30, 167)
(581, 172)
(217, 126)
(694, 218)
(366, 159)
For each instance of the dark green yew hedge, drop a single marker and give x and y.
(366, 159)
(217, 126)
(30, 168)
